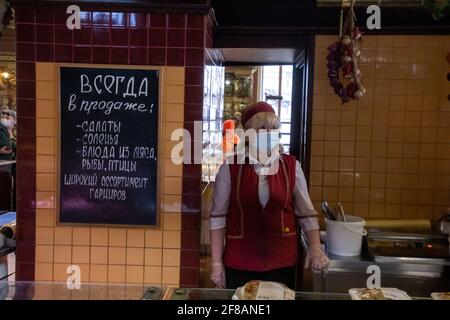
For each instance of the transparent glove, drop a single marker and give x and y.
(218, 274)
(316, 258)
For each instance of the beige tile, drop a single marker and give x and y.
(45, 90)
(99, 236)
(170, 275)
(172, 170)
(152, 275)
(63, 254)
(45, 146)
(153, 257)
(317, 148)
(346, 164)
(116, 255)
(318, 117)
(63, 235)
(361, 194)
(345, 194)
(381, 86)
(398, 91)
(153, 238)
(398, 42)
(332, 118)
(171, 239)
(396, 118)
(427, 166)
(426, 181)
(135, 274)
(414, 88)
(318, 133)
(171, 257)
(117, 237)
(362, 164)
(116, 274)
(45, 218)
(394, 150)
(426, 197)
(380, 118)
(377, 180)
(172, 221)
(44, 253)
(376, 210)
(346, 179)
(347, 148)
(80, 254)
(172, 203)
(175, 94)
(330, 193)
(409, 196)
(43, 272)
(427, 151)
(410, 166)
(348, 118)
(315, 193)
(378, 164)
(363, 149)
(171, 128)
(412, 134)
(174, 76)
(330, 179)
(362, 179)
(332, 133)
(45, 200)
(411, 150)
(394, 180)
(99, 255)
(172, 185)
(396, 134)
(361, 209)
(135, 238)
(363, 133)
(45, 182)
(45, 71)
(45, 109)
(45, 164)
(98, 273)
(408, 212)
(377, 195)
(315, 178)
(331, 148)
(44, 235)
(430, 103)
(431, 88)
(392, 211)
(135, 256)
(81, 236)
(60, 272)
(400, 55)
(317, 163)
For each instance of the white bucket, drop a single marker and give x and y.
(345, 238)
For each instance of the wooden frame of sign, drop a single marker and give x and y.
(85, 203)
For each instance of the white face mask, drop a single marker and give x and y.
(9, 124)
(267, 141)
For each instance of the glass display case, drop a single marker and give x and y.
(227, 294)
(60, 291)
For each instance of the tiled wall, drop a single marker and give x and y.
(387, 156)
(169, 255)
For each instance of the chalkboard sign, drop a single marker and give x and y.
(109, 146)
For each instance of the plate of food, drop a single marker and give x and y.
(378, 294)
(263, 290)
(440, 295)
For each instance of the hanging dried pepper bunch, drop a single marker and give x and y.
(343, 60)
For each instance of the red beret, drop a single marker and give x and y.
(255, 108)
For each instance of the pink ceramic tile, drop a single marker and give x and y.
(158, 20)
(119, 55)
(101, 36)
(176, 38)
(138, 37)
(45, 33)
(156, 56)
(157, 37)
(175, 57)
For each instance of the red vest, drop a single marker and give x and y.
(257, 238)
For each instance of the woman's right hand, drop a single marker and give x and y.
(218, 274)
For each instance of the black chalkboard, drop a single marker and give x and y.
(109, 146)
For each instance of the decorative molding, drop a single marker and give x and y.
(7, 58)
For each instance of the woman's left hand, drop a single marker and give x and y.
(316, 258)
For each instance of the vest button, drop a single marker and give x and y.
(286, 230)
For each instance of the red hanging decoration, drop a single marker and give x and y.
(343, 60)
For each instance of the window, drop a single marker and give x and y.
(277, 91)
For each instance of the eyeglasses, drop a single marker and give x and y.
(4, 113)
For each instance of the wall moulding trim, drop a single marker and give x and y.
(172, 6)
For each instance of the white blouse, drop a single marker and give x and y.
(302, 202)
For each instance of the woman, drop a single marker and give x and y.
(7, 139)
(255, 209)
(8, 152)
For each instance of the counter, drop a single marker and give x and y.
(59, 291)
